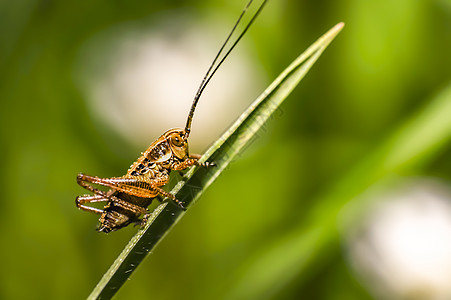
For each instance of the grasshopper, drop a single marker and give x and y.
(129, 196)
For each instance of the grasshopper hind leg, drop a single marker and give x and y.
(81, 200)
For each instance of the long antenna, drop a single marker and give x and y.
(210, 73)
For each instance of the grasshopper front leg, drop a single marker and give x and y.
(193, 160)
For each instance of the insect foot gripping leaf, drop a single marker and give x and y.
(129, 196)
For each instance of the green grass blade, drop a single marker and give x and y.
(223, 151)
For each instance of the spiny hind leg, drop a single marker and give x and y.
(100, 196)
(81, 200)
(136, 186)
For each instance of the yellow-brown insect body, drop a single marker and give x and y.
(128, 196)
(156, 162)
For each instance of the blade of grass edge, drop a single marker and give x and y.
(222, 152)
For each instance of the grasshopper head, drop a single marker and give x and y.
(178, 142)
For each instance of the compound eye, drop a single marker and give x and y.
(177, 140)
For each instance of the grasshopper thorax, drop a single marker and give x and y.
(169, 148)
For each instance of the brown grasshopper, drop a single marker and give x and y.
(129, 196)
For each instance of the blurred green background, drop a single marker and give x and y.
(389, 63)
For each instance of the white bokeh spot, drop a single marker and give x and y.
(403, 250)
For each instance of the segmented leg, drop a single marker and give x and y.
(81, 200)
(192, 161)
(132, 186)
(135, 186)
(206, 164)
(101, 196)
